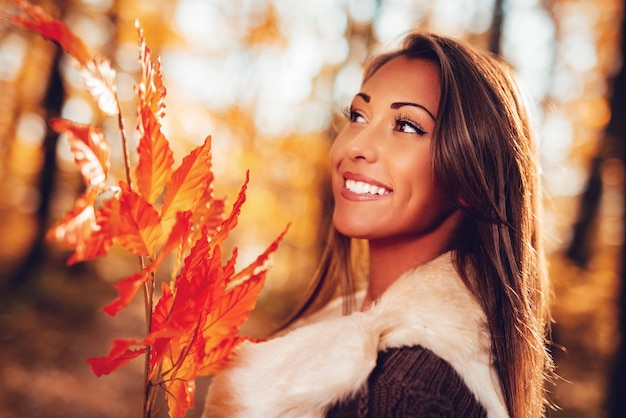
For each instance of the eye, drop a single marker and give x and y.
(407, 125)
(352, 115)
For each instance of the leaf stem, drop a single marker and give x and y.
(121, 124)
(150, 389)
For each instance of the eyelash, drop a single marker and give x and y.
(406, 119)
(351, 115)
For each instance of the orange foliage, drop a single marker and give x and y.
(194, 324)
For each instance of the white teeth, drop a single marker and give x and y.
(361, 187)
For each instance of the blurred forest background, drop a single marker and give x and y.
(267, 79)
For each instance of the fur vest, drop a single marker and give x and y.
(330, 357)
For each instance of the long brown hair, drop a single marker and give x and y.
(483, 156)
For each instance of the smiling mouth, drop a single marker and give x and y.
(361, 187)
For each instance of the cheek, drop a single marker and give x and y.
(414, 167)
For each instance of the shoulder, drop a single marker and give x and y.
(432, 308)
(412, 382)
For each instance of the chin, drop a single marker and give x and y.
(351, 231)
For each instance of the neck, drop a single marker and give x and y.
(392, 257)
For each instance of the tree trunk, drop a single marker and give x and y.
(617, 130)
(52, 104)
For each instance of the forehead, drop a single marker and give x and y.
(402, 78)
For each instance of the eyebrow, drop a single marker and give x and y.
(398, 105)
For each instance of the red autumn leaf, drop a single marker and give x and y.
(198, 285)
(87, 232)
(234, 307)
(208, 211)
(78, 225)
(207, 217)
(159, 317)
(99, 241)
(229, 223)
(229, 267)
(217, 355)
(188, 181)
(151, 88)
(198, 262)
(127, 288)
(120, 354)
(52, 29)
(180, 396)
(162, 309)
(89, 148)
(210, 214)
(154, 169)
(99, 79)
(139, 226)
(261, 259)
(97, 74)
(155, 156)
(179, 235)
(181, 312)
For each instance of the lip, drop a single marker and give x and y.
(347, 194)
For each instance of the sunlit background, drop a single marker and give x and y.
(267, 79)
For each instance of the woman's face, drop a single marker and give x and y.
(382, 175)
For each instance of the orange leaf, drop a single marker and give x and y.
(120, 354)
(188, 181)
(83, 229)
(159, 317)
(180, 396)
(77, 224)
(229, 268)
(99, 78)
(229, 223)
(154, 169)
(163, 307)
(199, 283)
(140, 225)
(90, 149)
(233, 308)
(151, 89)
(199, 261)
(155, 157)
(207, 217)
(52, 29)
(217, 356)
(260, 261)
(127, 289)
(100, 241)
(179, 234)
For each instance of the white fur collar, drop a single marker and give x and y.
(302, 373)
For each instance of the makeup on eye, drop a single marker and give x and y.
(350, 114)
(402, 122)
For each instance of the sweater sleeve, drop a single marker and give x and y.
(411, 382)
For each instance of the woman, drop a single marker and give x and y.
(436, 172)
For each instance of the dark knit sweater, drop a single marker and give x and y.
(411, 382)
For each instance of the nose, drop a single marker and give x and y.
(363, 145)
